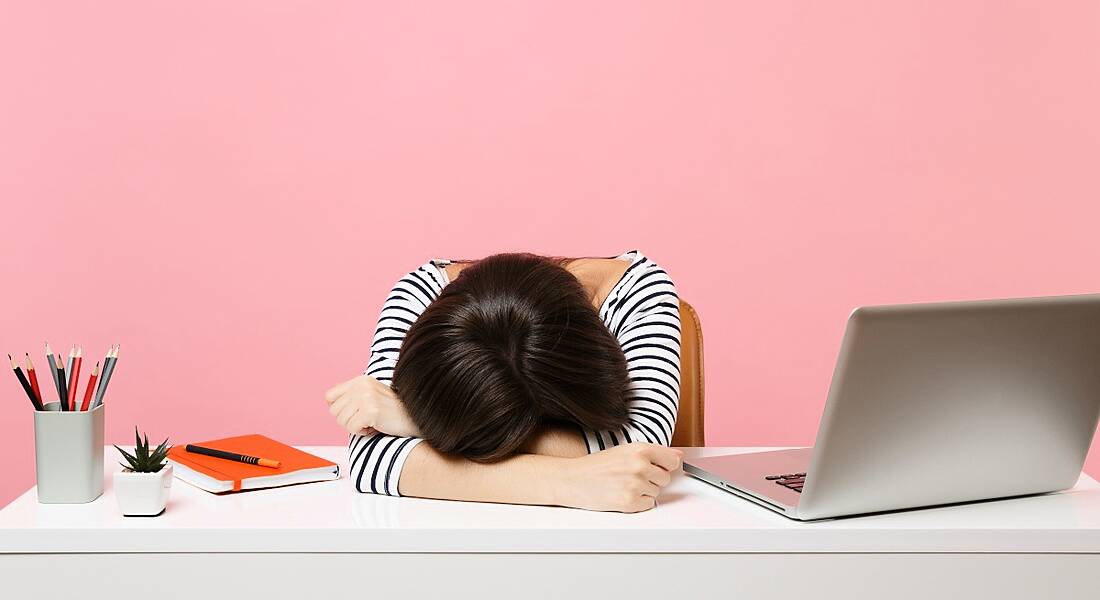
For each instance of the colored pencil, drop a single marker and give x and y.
(62, 390)
(33, 376)
(74, 376)
(91, 388)
(65, 402)
(53, 372)
(105, 377)
(26, 384)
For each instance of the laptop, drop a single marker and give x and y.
(934, 404)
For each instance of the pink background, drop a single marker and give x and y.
(228, 189)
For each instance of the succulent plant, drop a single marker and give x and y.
(143, 461)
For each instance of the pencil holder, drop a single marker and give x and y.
(68, 454)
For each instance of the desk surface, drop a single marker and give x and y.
(690, 517)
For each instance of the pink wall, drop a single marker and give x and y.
(228, 188)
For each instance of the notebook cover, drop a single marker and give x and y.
(292, 459)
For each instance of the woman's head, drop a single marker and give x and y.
(511, 344)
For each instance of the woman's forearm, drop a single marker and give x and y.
(557, 441)
(624, 478)
(520, 479)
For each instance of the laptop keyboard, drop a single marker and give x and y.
(791, 481)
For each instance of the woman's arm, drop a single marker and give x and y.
(563, 442)
(376, 460)
(645, 319)
(624, 479)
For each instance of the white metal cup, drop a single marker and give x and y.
(68, 454)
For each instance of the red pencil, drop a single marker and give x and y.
(34, 378)
(91, 388)
(74, 376)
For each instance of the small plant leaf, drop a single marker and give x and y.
(125, 453)
(162, 449)
(134, 466)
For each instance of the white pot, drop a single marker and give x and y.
(143, 494)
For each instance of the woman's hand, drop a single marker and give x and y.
(625, 478)
(364, 403)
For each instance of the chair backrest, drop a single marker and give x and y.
(689, 420)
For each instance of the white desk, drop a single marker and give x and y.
(698, 542)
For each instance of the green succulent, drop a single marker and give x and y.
(143, 461)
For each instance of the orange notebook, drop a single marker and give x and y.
(220, 475)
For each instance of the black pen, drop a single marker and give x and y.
(244, 458)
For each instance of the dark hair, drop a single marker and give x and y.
(513, 343)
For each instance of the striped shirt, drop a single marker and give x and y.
(641, 311)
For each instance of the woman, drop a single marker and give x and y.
(520, 379)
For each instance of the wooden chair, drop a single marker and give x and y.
(689, 420)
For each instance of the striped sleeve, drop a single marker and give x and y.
(376, 459)
(645, 318)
